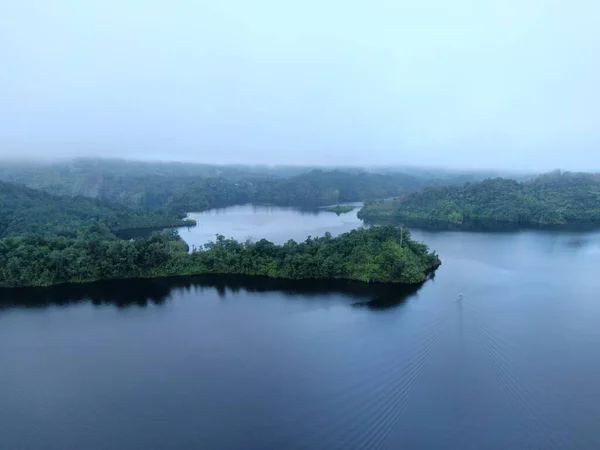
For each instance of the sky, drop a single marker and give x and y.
(463, 83)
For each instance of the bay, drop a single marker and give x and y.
(252, 363)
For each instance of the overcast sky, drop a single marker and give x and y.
(463, 83)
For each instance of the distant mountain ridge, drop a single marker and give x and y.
(195, 187)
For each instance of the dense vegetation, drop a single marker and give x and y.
(385, 254)
(196, 187)
(47, 239)
(24, 210)
(554, 199)
(377, 254)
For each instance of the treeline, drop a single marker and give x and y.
(47, 239)
(377, 254)
(24, 210)
(181, 187)
(554, 199)
(85, 254)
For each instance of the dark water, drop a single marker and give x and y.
(255, 364)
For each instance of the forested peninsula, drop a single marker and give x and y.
(552, 200)
(47, 240)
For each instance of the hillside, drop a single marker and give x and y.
(196, 187)
(554, 199)
(47, 239)
(24, 210)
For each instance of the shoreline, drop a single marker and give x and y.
(427, 276)
(478, 225)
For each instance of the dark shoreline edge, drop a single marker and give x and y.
(428, 275)
(144, 291)
(480, 225)
(121, 232)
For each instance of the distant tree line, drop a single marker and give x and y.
(553, 199)
(180, 188)
(24, 210)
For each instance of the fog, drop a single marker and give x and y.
(503, 84)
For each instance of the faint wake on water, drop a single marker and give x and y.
(515, 394)
(540, 410)
(537, 413)
(422, 363)
(387, 395)
(402, 381)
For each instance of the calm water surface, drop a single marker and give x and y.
(271, 222)
(246, 363)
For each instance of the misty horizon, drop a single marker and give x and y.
(467, 86)
(382, 168)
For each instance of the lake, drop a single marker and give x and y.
(271, 222)
(252, 363)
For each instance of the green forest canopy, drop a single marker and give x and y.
(377, 254)
(556, 198)
(195, 187)
(47, 239)
(24, 210)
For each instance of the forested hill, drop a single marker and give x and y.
(320, 187)
(24, 210)
(557, 198)
(195, 187)
(47, 239)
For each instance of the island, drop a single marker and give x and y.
(340, 209)
(556, 199)
(47, 240)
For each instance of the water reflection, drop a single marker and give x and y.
(120, 293)
(125, 293)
